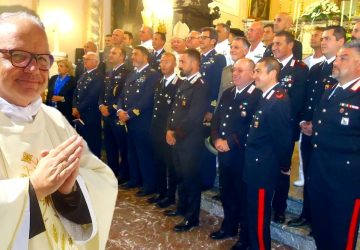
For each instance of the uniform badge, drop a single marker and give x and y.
(137, 91)
(256, 124)
(327, 86)
(136, 112)
(168, 101)
(183, 103)
(279, 95)
(345, 121)
(243, 113)
(341, 110)
(213, 103)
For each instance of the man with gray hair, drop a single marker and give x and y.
(223, 44)
(85, 103)
(145, 35)
(45, 203)
(254, 34)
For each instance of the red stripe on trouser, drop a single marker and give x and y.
(353, 224)
(261, 215)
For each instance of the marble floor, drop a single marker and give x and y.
(139, 225)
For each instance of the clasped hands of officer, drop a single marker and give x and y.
(123, 116)
(221, 145)
(306, 128)
(170, 137)
(104, 110)
(75, 113)
(58, 168)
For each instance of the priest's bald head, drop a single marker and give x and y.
(25, 59)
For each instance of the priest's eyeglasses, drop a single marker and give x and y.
(22, 59)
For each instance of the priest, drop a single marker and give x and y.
(54, 193)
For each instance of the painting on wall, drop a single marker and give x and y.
(259, 9)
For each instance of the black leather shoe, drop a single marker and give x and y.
(185, 225)
(221, 234)
(127, 185)
(165, 202)
(173, 213)
(155, 199)
(299, 222)
(142, 193)
(240, 245)
(279, 218)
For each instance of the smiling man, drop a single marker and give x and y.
(44, 164)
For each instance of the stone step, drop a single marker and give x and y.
(297, 238)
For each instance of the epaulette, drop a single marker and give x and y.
(292, 64)
(356, 86)
(174, 81)
(300, 63)
(196, 78)
(279, 95)
(251, 89)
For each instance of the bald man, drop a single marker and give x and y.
(355, 34)
(283, 22)
(117, 39)
(257, 47)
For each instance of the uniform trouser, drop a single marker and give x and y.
(208, 168)
(335, 220)
(91, 132)
(259, 216)
(232, 191)
(186, 159)
(140, 158)
(279, 202)
(334, 210)
(165, 170)
(116, 146)
(306, 149)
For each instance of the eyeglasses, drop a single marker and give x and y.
(22, 59)
(192, 38)
(204, 37)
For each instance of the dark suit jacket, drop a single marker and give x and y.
(336, 142)
(269, 143)
(293, 80)
(155, 60)
(67, 92)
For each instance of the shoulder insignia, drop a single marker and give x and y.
(292, 63)
(174, 81)
(196, 78)
(251, 89)
(213, 103)
(270, 94)
(350, 106)
(279, 95)
(327, 86)
(136, 112)
(115, 106)
(356, 86)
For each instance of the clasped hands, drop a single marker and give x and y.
(58, 168)
(123, 116)
(306, 128)
(221, 145)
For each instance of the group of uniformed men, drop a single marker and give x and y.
(155, 123)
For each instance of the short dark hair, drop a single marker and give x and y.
(339, 32)
(288, 36)
(193, 54)
(237, 32)
(122, 50)
(212, 33)
(269, 25)
(318, 28)
(143, 50)
(245, 42)
(353, 45)
(162, 35)
(225, 26)
(129, 34)
(271, 64)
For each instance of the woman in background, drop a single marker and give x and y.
(61, 89)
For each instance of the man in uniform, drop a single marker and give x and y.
(85, 103)
(164, 96)
(158, 42)
(283, 22)
(117, 39)
(238, 49)
(292, 79)
(254, 35)
(193, 40)
(267, 153)
(334, 174)
(223, 45)
(185, 134)
(135, 110)
(89, 46)
(229, 128)
(145, 35)
(114, 132)
(319, 79)
(269, 34)
(212, 65)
